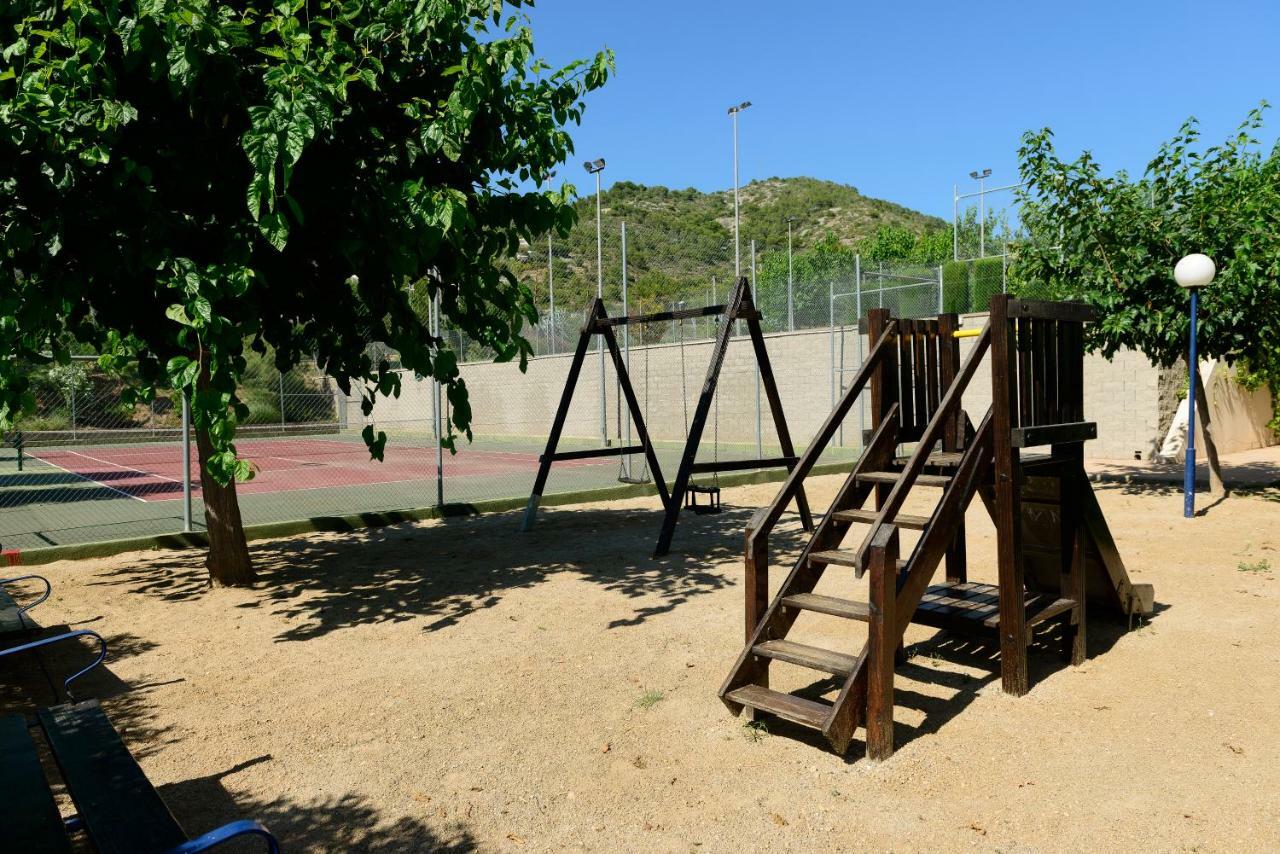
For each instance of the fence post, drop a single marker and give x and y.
(1004, 273)
(551, 291)
(73, 406)
(759, 436)
(941, 298)
(831, 336)
(857, 298)
(282, 425)
(626, 345)
(435, 409)
(186, 463)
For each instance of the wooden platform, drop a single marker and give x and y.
(973, 607)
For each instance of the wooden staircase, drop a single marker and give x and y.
(916, 382)
(869, 502)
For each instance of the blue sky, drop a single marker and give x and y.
(903, 99)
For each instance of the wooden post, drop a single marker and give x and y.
(637, 416)
(562, 412)
(881, 643)
(1008, 485)
(884, 382)
(770, 385)
(953, 435)
(757, 575)
(1072, 551)
(700, 413)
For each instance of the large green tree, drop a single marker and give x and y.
(1113, 240)
(182, 179)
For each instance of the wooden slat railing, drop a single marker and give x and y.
(949, 405)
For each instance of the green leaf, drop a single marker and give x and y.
(178, 314)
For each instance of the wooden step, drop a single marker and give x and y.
(902, 520)
(893, 476)
(846, 608)
(838, 557)
(812, 657)
(843, 557)
(786, 706)
(939, 459)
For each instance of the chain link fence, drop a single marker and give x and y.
(87, 467)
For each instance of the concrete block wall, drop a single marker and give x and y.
(1123, 394)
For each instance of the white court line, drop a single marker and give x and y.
(143, 472)
(89, 479)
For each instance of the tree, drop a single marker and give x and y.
(1113, 242)
(184, 179)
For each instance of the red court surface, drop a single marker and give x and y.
(154, 473)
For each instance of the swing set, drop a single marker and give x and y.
(684, 491)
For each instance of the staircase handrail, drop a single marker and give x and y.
(932, 433)
(764, 519)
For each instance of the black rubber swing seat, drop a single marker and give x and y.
(713, 499)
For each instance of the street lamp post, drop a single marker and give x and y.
(737, 243)
(791, 314)
(981, 178)
(595, 167)
(1193, 273)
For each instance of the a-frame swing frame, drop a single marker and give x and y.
(740, 306)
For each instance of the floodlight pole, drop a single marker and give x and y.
(595, 167)
(982, 217)
(981, 178)
(626, 344)
(737, 242)
(955, 222)
(551, 291)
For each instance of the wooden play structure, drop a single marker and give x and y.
(684, 490)
(1054, 550)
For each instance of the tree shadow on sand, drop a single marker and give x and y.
(446, 571)
(329, 823)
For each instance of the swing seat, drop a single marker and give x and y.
(635, 480)
(713, 499)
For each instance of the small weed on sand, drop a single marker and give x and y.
(755, 731)
(1257, 566)
(650, 698)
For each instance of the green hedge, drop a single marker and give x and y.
(968, 286)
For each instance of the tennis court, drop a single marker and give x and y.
(151, 473)
(64, 491)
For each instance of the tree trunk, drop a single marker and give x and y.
(228, 559)
(1216, 487)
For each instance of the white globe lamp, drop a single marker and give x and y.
(1193, 272)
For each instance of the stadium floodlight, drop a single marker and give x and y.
(594, 166)
(737, 242)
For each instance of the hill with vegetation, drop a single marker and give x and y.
(680, 242)
(818, 208)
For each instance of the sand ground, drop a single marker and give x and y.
(456, 685)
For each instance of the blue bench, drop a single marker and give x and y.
(13, 617)
(116, 805)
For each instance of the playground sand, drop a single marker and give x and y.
(457, 685)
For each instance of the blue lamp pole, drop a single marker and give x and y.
(1193, 273)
